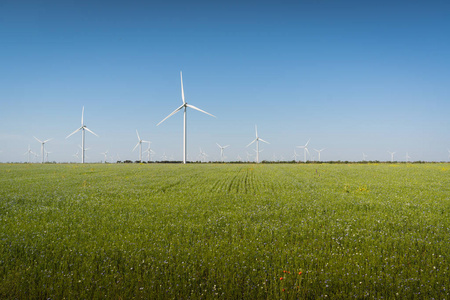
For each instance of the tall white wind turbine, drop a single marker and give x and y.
(42, 147)
(184, 106)
(392, 155)
(318, 151)
(305, 149)
(83, 128)
(140, 141)
(221, 150)
(257, 139)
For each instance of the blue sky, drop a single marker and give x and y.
(354, 76)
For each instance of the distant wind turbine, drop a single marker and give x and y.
(83, 128)
(257, 139)
(249, 155)
(318, 151)
(407, 157)
(164, 157)
(105, 154)
(305, 149)
(239, 158)
(364, 156)
(184, 107)
(46, 155)
(203, 155)
(42, 147)
(149, 151)
(140, 141)
(76, 155)
(221, 150)
(28, 153)
(392, 155)
(295, 155)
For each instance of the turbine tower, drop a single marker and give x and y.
(221, 150)
(305, 149)
(140, 141)
(83, 128)
(184, 106)
(42, 147)
(257, 139)
(318, 151)
(392, 155)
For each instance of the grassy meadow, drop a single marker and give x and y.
(206, 231)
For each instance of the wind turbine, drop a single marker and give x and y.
(318, 151)
(203, 155)
(76, 155)
(140, 141)
(149, 151)
(364, 156)
(305, 149)
(407, 157)
(295, 155)
(164, 157)
(257, 139)
(239, 158)
(448, 153)
(249, 155)
(28, 153)
(46, 155)
(221, 150)
(83, 128)
(184, 106)
(105, 154)
(42, 147)
(392, 155)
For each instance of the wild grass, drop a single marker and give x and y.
(224, 231)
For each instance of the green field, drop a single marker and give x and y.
(241, 231)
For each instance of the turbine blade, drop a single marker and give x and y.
(47, 140)
(74, 132)
(218, 145)
(226, 146)
(264, 141)
(174, 112)
(251, 143)
(91, 131)
(37, 139)
(136, 146)
(256, 130)
(307, 143)
(182, 89)
(196, 108)
(139, 138)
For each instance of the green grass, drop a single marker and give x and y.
(224, 231)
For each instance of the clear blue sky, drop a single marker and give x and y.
(354, 76)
